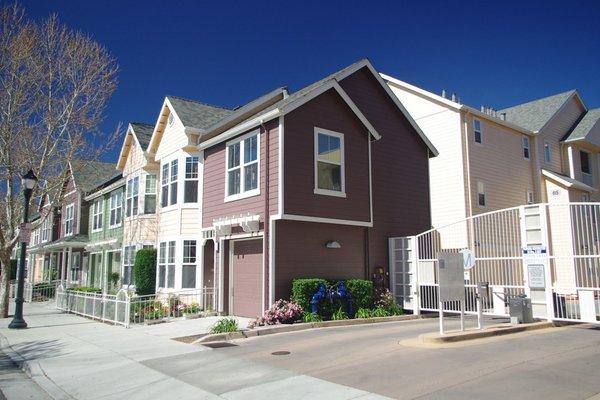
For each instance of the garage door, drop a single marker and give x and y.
(246, 271)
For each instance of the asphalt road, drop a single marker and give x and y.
(557, 363)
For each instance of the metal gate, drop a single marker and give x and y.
(548, 252)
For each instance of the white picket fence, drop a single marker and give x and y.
(562, 280)
(125, 308)
(36, 291)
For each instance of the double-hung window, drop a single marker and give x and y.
(166, 265)
(97, 215)
(128, 261)
(150, 194)
(46, 228)
(116, 208)
(132, 197)
(188, 269)
(69, 219)
(242, 167)
(481, 196)
(190, 189)
(547, 152)
(477, 131)
(329, 163)
(168, 189)
(525, 142)
(586, 167)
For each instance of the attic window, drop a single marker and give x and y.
(170, 119)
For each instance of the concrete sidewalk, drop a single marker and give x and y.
(71, 357)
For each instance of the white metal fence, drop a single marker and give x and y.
(548, 252)
(36, 292)
(126, 308)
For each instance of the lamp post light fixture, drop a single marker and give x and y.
(28, 182)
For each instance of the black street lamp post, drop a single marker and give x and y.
(28, 183)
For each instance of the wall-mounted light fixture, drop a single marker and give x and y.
(332, 244)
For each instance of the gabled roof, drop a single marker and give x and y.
(584, 126)
(305, 94)
(195, 114)
(89, 175)
(534, 115)
(142, 132)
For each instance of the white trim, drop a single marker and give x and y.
(236, 130)
(272, 242)
(567, 183)
(99, 214)
(304, 218)
(242, 166)
(317, 189)
(108, 189)
(571, 162)
(72, 207)
(525, 138)
(280, 161)
(110, 209)
(480, 131)
(370, 184)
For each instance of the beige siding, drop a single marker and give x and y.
(556, 129)
(142, 229)
(173, 139)
(442, 126)
(498, 162)
(135, 159)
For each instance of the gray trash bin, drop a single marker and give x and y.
(520, 308)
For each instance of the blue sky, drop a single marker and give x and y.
(226, 53)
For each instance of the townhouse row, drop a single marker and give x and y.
(305, 184)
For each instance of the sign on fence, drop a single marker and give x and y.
(451, 276)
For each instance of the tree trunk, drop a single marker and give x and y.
(4, 285)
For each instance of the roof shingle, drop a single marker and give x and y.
(143, 133)
(89, 175)
(196, 114)
(584, 126)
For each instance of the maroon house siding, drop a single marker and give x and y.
(399, 167)
(213, 203)
(327, 111)
(300, 252)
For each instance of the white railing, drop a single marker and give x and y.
(35, 292)
(568, 233)
(126, 308)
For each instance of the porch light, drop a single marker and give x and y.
(333, 245)
(29, 180)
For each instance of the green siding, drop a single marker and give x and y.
(106, 232)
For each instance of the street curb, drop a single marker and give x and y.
(496, 330)
(270, 330)
(34, 371)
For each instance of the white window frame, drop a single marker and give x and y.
(243, 164)
(327, 192)
(127, 261)
(117, 208)
(188, 262)
(150, 193)
(191, 179)
(68, 219)
(530, 199)
(165, 260)
(548, 154)
(475, 131)
(97, 215)
(168, 183)
(46, 229)
(526, 146)
(481, 190)
(130, 197)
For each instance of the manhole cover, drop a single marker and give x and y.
(280, 353)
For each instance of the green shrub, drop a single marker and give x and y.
(144, 272)
(310, 317)
(113, 278)
(379, 312)
(225, 325)
(303, 290)
(361, 291)
(87, 289)
(387, 301)
(363, 313)
(339, 314)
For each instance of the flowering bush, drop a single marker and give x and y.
(385, 300)
(281, 312)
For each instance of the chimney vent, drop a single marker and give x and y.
(444, 93)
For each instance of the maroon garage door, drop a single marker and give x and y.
(246, 266)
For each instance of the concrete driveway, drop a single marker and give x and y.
(72, 357)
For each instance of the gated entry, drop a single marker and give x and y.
(547, 252)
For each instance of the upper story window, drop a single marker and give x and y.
(190, 188)
(132, 196)
(329, 163)
(46, 229)
(116, 208)
(530, 197)
(168, 193)
(547, 152)
(69, 219)
(585, 162)
(241, 179)
(525, 141)
(150, 194)
(477, 130)
(188, 269)
(97, 214)
(481, 196)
